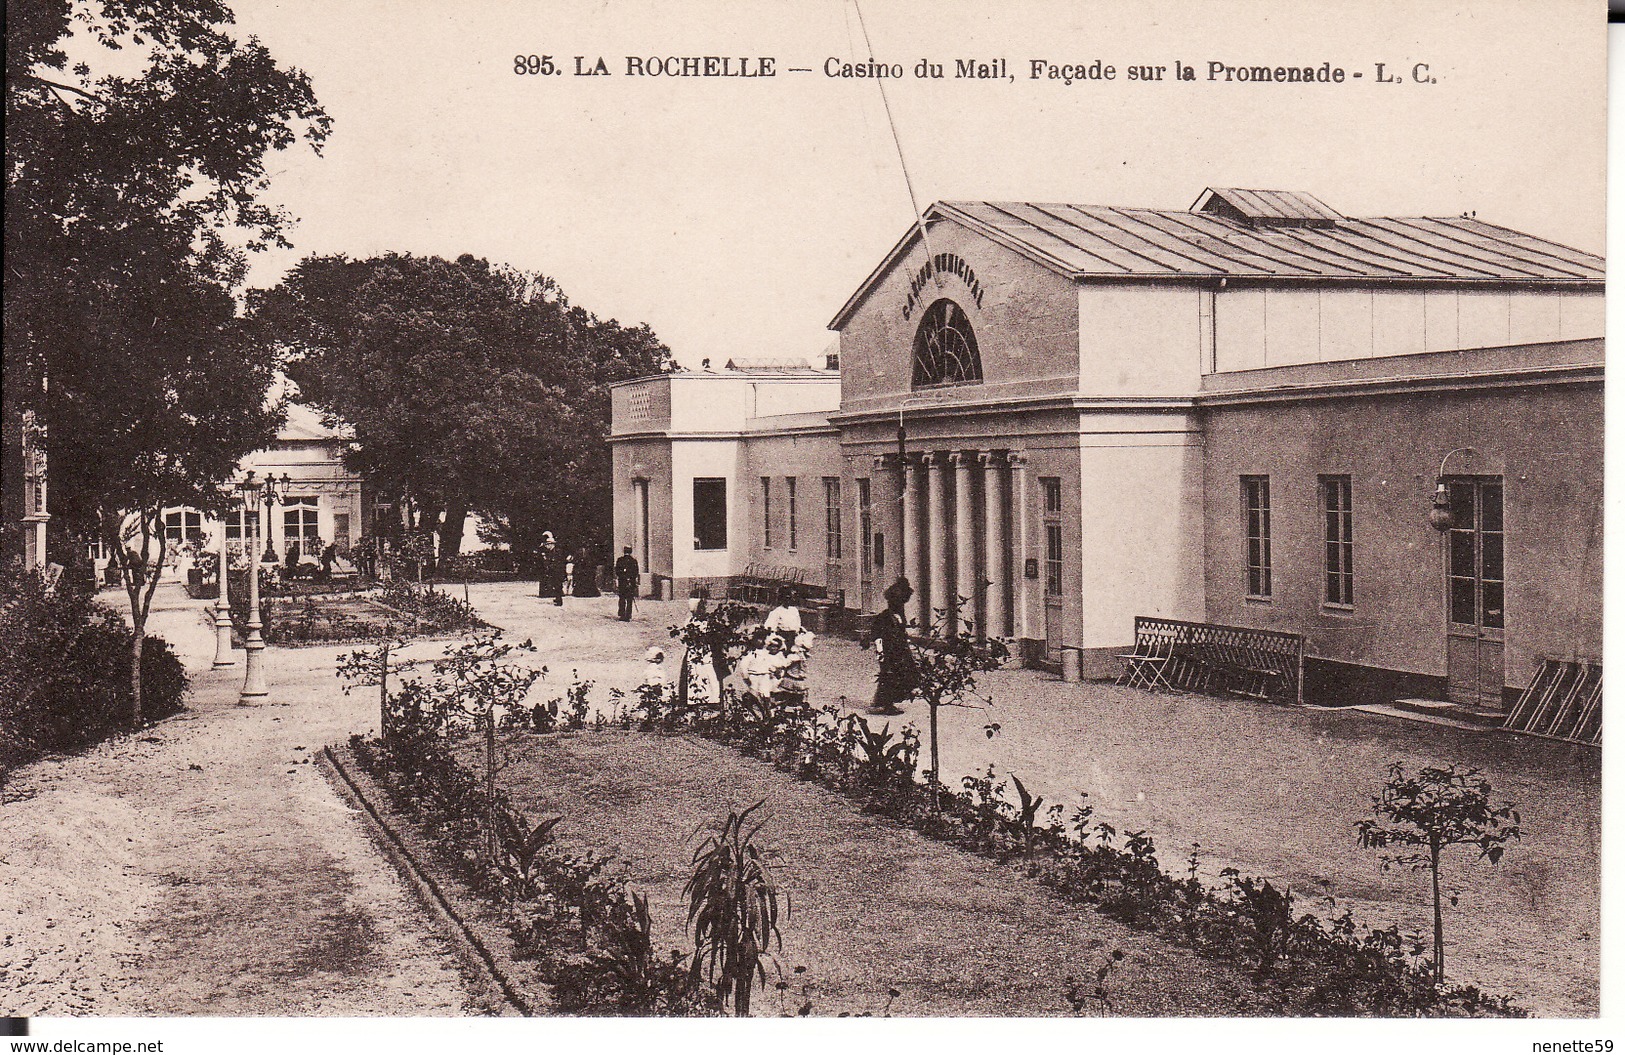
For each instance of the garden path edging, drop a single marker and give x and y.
(471, 950)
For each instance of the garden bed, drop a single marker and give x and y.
(876, 919)
(873, 909)
(351, 616)
(572, 910)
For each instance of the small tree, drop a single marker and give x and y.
(479, 680)
(370, 666)
(947, 667)
(733, 908)
(1430, 811)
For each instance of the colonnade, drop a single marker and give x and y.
(961, 509)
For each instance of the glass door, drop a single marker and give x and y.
(1052, 566)
(1475, 593)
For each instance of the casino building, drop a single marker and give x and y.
(1244, 414)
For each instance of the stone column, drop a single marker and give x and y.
(936, 536)
(996, 619)
(962, 601)
(913, 568)
(1024, 585)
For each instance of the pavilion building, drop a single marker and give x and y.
(1241, 414)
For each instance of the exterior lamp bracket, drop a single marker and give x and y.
(1440, 516)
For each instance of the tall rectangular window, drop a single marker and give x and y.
(767, 512)
(832, 518)
(1052, 534)
(710, 513)
(866, 527)
(1052, 495)
(299, 525)
(1255, 506)
(1336, 502)
(790, 508)
(238, 524)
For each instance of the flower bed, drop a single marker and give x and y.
(592, 935)
(1313, 967)
(586, 934)
(342, 616)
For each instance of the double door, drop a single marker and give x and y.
(1475, 593)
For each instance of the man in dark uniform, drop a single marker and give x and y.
(626, 582)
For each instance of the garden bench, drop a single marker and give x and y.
(1175, 654)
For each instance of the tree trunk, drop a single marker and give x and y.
(491, 786)
(1438, 917)
(137, 641)
(451, 527)
(719, 666)
(383, 692)
(936, 775)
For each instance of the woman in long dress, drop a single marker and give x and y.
(899, 674)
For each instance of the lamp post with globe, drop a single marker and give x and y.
(270, 492)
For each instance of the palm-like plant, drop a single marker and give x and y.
(884, 754)
(1028, 815)
(733, 909)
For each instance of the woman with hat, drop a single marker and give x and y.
(899, 675)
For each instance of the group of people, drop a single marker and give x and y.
(774, 666)
(559, 572)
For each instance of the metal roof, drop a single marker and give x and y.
(1258, 235)
(1256, 207)
(304, 423)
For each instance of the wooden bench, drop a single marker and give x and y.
(1206, 657)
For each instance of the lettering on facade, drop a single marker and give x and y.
(941, 264)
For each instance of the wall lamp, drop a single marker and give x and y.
(1440, 516)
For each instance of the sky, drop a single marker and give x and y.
(736, 215)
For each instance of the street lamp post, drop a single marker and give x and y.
(271, 492)
(253, 644)
(222, 606)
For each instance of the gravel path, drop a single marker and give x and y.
(205, 867)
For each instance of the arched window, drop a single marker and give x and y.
(945, 347)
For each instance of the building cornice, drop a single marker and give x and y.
(982, 408)
(728, 436)
(1585, 373)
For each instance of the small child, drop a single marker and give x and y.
(654, 671)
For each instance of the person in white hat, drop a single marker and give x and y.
(654, 666)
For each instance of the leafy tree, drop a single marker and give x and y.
(486, 685)
(470, 386)
(133, 182)
(1435, 809)
(719, 637)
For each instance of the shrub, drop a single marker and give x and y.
(65, 669)
(430, 605)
